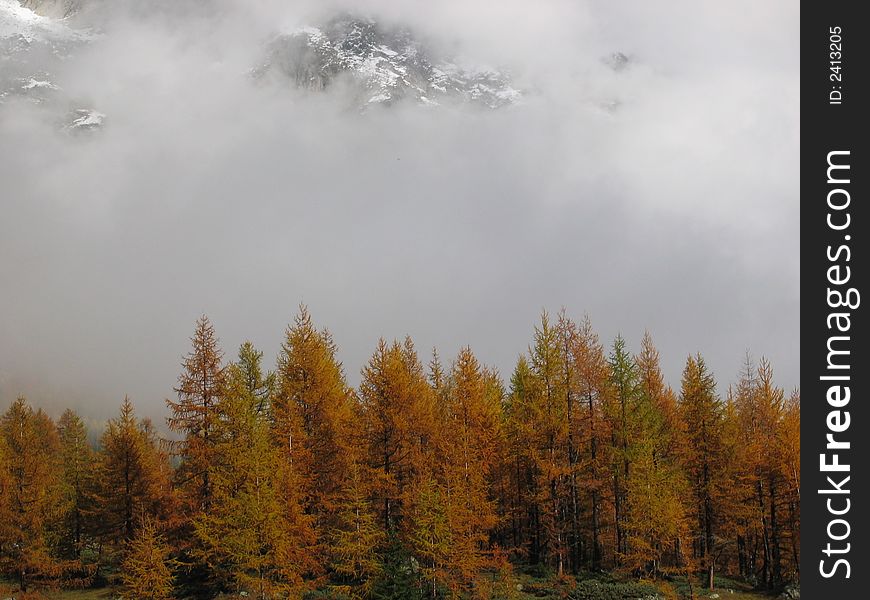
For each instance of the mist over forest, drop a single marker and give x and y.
(656, 193)
(584, 477)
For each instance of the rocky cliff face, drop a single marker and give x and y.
(382, 65)
(378, 64)
(58, 9)
(31, 46)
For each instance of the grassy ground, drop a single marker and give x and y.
(531, 588)
(6, 591)
(104, 594)
(727, 589)
(99, 594)
(534, 588)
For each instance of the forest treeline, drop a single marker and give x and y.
(428, 481)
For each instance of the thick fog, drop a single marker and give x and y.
(662, 196)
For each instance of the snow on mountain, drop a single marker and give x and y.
(383, 65)
(86, 119)
(20, 27)
(31, 44)
(379, 64)
(53, 8)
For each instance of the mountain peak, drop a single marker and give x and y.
(384, 65)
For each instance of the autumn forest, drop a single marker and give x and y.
(435, 478)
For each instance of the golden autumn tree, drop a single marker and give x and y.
(398, 427)
(593, 388)
(557, 444)
(771, 405)
(32, 503)
(355, 539)
(430, 536)
(313, 416)
(766, 457)
(471, 439)
(437, 377)
(246, 537)
(626, 413)
(134, 476)
(736, 502)
(742, 420)
(423, 483)
(520, 465)
(194, 415)
(656, 522)
(79, 483)
(147, 569)
(703, 413)
(546, 360)
(790, 474)
(671, 433)
(568, 337)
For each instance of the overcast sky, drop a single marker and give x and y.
(677, 212)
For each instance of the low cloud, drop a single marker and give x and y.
(661, 197)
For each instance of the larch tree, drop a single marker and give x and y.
(703, 413)
(567, 334)
(546, 361)
(790, 473)
(32, 503)
(313, 416)
(759, 413)
(147, 568)
(356, 539)
(430, 536)
(671, 434)
(626, 414)
(194, 415)
(593, 386)
(134, 476)
(79, 464)
(736, 503)
(472, 433)
(742, 421)
(771, 404)
(437, 376)
(398, 425)
(655, 515)
(521, 412)
(423, 483)
(246, 537)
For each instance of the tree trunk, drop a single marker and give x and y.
(776, 554)
(596, 543)
(765, 567)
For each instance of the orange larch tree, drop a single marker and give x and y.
(33, 502)
(313, 414)
(147, 569)
(472, 432)
(194, 415)
(593, 386)
(524, 476)
(550, 447)
(398, 424)
(254, 538)
(656, 520)
(704, 415)
(355, 539)
(133, 475)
